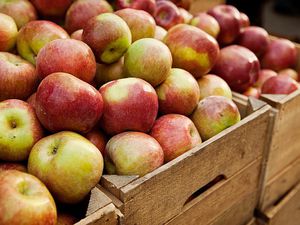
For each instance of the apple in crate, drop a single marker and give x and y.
(176, 134)
(66, 219)
(77, 35)
(72, 158)
(289, 72)
(133, 153)
(108, 46)
(244, 20)
(192, 49)
(148, 59)
(263, 75)
(97, 137)
(206, 23)
(55, 8)
(160, 33)
(129, 104)
(25, 200)
(214, 114)
(179, 93)
(19, 130)
(35, 35)
(252, 91)
(146, 5)
(8, 32)
(63, 102)
(18, 78)
(12, 166)
(279, 85)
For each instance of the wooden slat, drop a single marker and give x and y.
(252, 222)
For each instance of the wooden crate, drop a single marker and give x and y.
(252, 222)
(203, 5)
(206, 175)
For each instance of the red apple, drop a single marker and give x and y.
(8, 32)
(31, 100)
(55, 8)
(146, 5)
(244, 20)
(206, 23)
(63, 102)
(98, 138)
(197, 55)
(69, 56)
(160, 33)
(264, 75)
(12, 166)
(129, 104)
(185, 4)
(253, 92)
(238, 66)
(77, 35)
(279, 85)
(289, 72)
(186, 15)
(176, 134)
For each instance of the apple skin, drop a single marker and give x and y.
(179, 93)
(280, 54)
(146, 5)
(148, 59)
(214, 114)
(73, 158)
(35, 35)
(211, 84)
(108, 46)
(31, 100)
(253, 92)
(186, 15)
(12, 166)
(206, 23)
(185, 4)
(263, 75)
(228, 18)
(238, 66)
(63, 102)
(129, 104)
(255, 39)
(66, 219)
(279, 85)
(82, 10)
(20, 130)
(77, 35)
(140, 23)
(133, 153)
(22, 11)
(25, 200)
(18, 78)
(69, 56)
(160, 33)
(176, 134)
(55, 8)
(8, 33)
(98, 138)
(244, 20)
(289, 72)
(197, 55)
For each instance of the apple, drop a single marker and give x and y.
(146, 5)
(97, 137)
(66, 219)
(238, 66)
(253, 92)
(70, 157)
(280, 54)
(179, 93)
(22, 11)
(64, 102)
(186, 15)
(185, 4)
(133, 153)
(129, 104)
(197, 55)
(167, 14)
(244, 20)
(108, 46)
(82, 10)
(176, 134)
(263, 75)
(69, 56)
(77, 35)
(25, 200)
(8, 32)
(31, 100)
(255, 39)
(228, 18)
(35, 35)
(18, 78)
(214, 114)
(279, 85)
(55, 8)
(211, 84)
(149, 59)
(140, 23)
(12, 166)
(206, 23)
(160, 33)
(289, 72)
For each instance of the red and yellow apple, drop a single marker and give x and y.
(263, 75)
(77, 35)
(160, 33)
(12, 166)
(253, 92)
(206, 23)
(8, 33)
(55, 8)
(146, 5)
(279, 85)
(97, 137)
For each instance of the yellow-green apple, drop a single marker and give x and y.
(69, 56)
(148, 59)
(228, 18)
(206, 23)
(289, 72)
(179, 93)
(167, 14)
(279, 85)
(31, 100)
(238, 66)
(77, 35)
(253, 92)
(197, 55)
(187, 16)
(146, 5)
(25, 200)
(8, 32)
(22, 11)
(133, 153)
(211, 84)
(263, 75)
(280, 54)
(12, 166)
(98, 138)
(160, 33)
(176, 134)
(244, 20)
(64, 218)
(255, 39)
(129, 104)
(70, 157)
(108, 46)
(18, 78)
(140, 23)
(214, 114)
(64, 102)
(35, 35)
(82, 10)
(55, 8)
(19, 131)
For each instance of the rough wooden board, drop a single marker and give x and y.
(97, 201)
(203, 5)
(242, 105)
(113, 198)
(272, 100)
(254, 105)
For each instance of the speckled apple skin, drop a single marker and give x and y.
(279, 85)
(55, 8)
(207, 23)
(263, 75)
